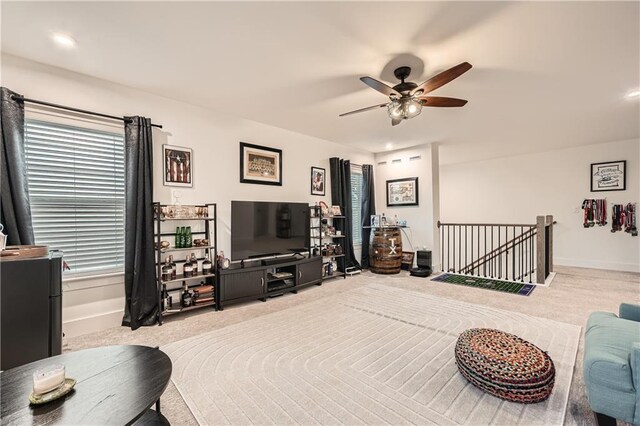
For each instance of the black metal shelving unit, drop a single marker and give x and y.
(210, 232)
(317, 219)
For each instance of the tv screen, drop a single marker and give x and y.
(260, 228)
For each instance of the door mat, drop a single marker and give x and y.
(486, 283)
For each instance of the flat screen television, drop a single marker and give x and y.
(261, 229)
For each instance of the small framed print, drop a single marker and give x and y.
(177, 166)
(375, 220)
(318, 181)
(336, 211)
(402, 192)
(610, 176)
(260, 164)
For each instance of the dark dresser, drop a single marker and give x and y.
(30, 309)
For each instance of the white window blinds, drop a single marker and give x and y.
(76, 187)
(356, 204)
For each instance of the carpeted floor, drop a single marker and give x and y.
(575, 293)
(373, 355)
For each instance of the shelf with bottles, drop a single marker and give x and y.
(187, 298)
(199, 261)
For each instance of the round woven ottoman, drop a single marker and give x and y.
(505, 365)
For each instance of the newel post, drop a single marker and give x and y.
(540, 249)
(549, 220)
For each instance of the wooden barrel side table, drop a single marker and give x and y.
(385, 250)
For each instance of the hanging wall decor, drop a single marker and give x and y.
(623, 218)
(595, 212)
(402, 192)
(609, 176)
(318, 176)
(177, 165)
(260, 164)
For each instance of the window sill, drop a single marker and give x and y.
(92, 281)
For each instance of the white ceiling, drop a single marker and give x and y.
(546, 74)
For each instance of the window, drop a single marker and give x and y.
(76, 189)
(356, 204)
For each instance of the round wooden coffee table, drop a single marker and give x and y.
(116, 385)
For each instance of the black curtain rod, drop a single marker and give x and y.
(81, 111)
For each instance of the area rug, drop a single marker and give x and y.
(486, 283)
(373, 355)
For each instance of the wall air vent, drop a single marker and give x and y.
(415, 157)
(382, 163)
(397, 160)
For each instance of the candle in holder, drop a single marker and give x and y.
(48, 379)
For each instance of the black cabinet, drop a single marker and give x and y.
(30, 309)
(310, 272)
(242, 284)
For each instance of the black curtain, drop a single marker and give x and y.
(341, 195)
(141, 306)
(368, 209)
(15, 210)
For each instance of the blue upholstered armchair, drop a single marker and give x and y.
(612, 365)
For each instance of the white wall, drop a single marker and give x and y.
(421, 162)
(214, 137)
(516, 189)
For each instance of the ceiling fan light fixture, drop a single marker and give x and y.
(405, 108)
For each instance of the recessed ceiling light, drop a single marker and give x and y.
(389, 145)
(64, 40)
(633, 94)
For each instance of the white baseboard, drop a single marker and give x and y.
(91, 324)
(612, 266)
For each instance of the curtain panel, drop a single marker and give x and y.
(340, 171)
(15, 209)
(368, 209)
(141, 305)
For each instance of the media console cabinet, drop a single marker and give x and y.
(258, 281)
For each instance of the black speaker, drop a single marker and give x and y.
(424, 259)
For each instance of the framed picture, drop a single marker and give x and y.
(177, 165)
(407, 260)
(260, 164)
(610, 176)
(336, 211)
(375, 220)
(402, 192)
(317, 180)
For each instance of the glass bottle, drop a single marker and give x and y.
(207, 266)
(187, 298)
(178, 243)
(173, 267)
(166, 270)
(187, 269)
(194, 263)
(188, 238)
(166, 299)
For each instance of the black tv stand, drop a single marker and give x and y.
(260, 281)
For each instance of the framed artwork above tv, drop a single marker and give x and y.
(260, 164)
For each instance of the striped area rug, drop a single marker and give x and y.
(373, 355)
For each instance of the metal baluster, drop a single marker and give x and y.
(472, 261)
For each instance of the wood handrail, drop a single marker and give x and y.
(486, 224)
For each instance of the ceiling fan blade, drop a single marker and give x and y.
(443, 78)
(396, 121)
(437, 101)
(379, 86)
(363, 110)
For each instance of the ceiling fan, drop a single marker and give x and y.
(406, 99)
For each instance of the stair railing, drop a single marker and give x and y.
(515, 252)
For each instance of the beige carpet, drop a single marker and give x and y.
(376, 354)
